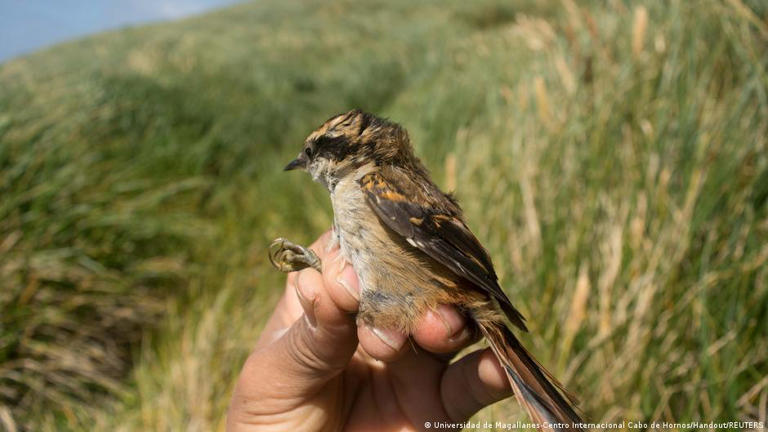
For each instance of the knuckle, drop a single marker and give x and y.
(307, 353)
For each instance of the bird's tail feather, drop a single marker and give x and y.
(535, 389)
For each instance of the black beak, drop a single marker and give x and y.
(299, 162)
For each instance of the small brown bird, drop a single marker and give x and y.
(411, 249)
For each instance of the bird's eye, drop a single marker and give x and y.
(308, 151)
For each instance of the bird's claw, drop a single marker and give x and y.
(287, 256)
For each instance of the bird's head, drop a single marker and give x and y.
(349, 141)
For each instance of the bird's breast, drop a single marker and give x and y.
(398, 282)
(360, 233)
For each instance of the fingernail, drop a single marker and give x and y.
(392, 339)
(348, 280)
(306, 295)
(461, 335)
(339, 258)
(331, 260)
(331, 245)
(454, 323)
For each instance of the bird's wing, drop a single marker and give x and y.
(435, 228)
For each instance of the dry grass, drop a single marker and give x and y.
(612, 159)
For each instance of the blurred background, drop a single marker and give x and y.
(31, 24)
(610, 154)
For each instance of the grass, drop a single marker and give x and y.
(611, 156)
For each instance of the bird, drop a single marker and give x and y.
(412, 250)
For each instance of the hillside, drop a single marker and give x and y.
(612, 158)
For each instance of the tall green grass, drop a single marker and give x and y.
(611, 156)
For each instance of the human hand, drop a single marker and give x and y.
(314, 369)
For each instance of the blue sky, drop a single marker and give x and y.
(28, 25)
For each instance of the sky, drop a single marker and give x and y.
(28, 25)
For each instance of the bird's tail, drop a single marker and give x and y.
(535, 389)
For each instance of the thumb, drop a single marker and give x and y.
(315, 349)
(319, 346)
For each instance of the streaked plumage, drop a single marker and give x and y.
(411, 249)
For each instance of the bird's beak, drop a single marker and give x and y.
(299, 162)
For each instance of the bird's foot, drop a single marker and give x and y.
(287, 256)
